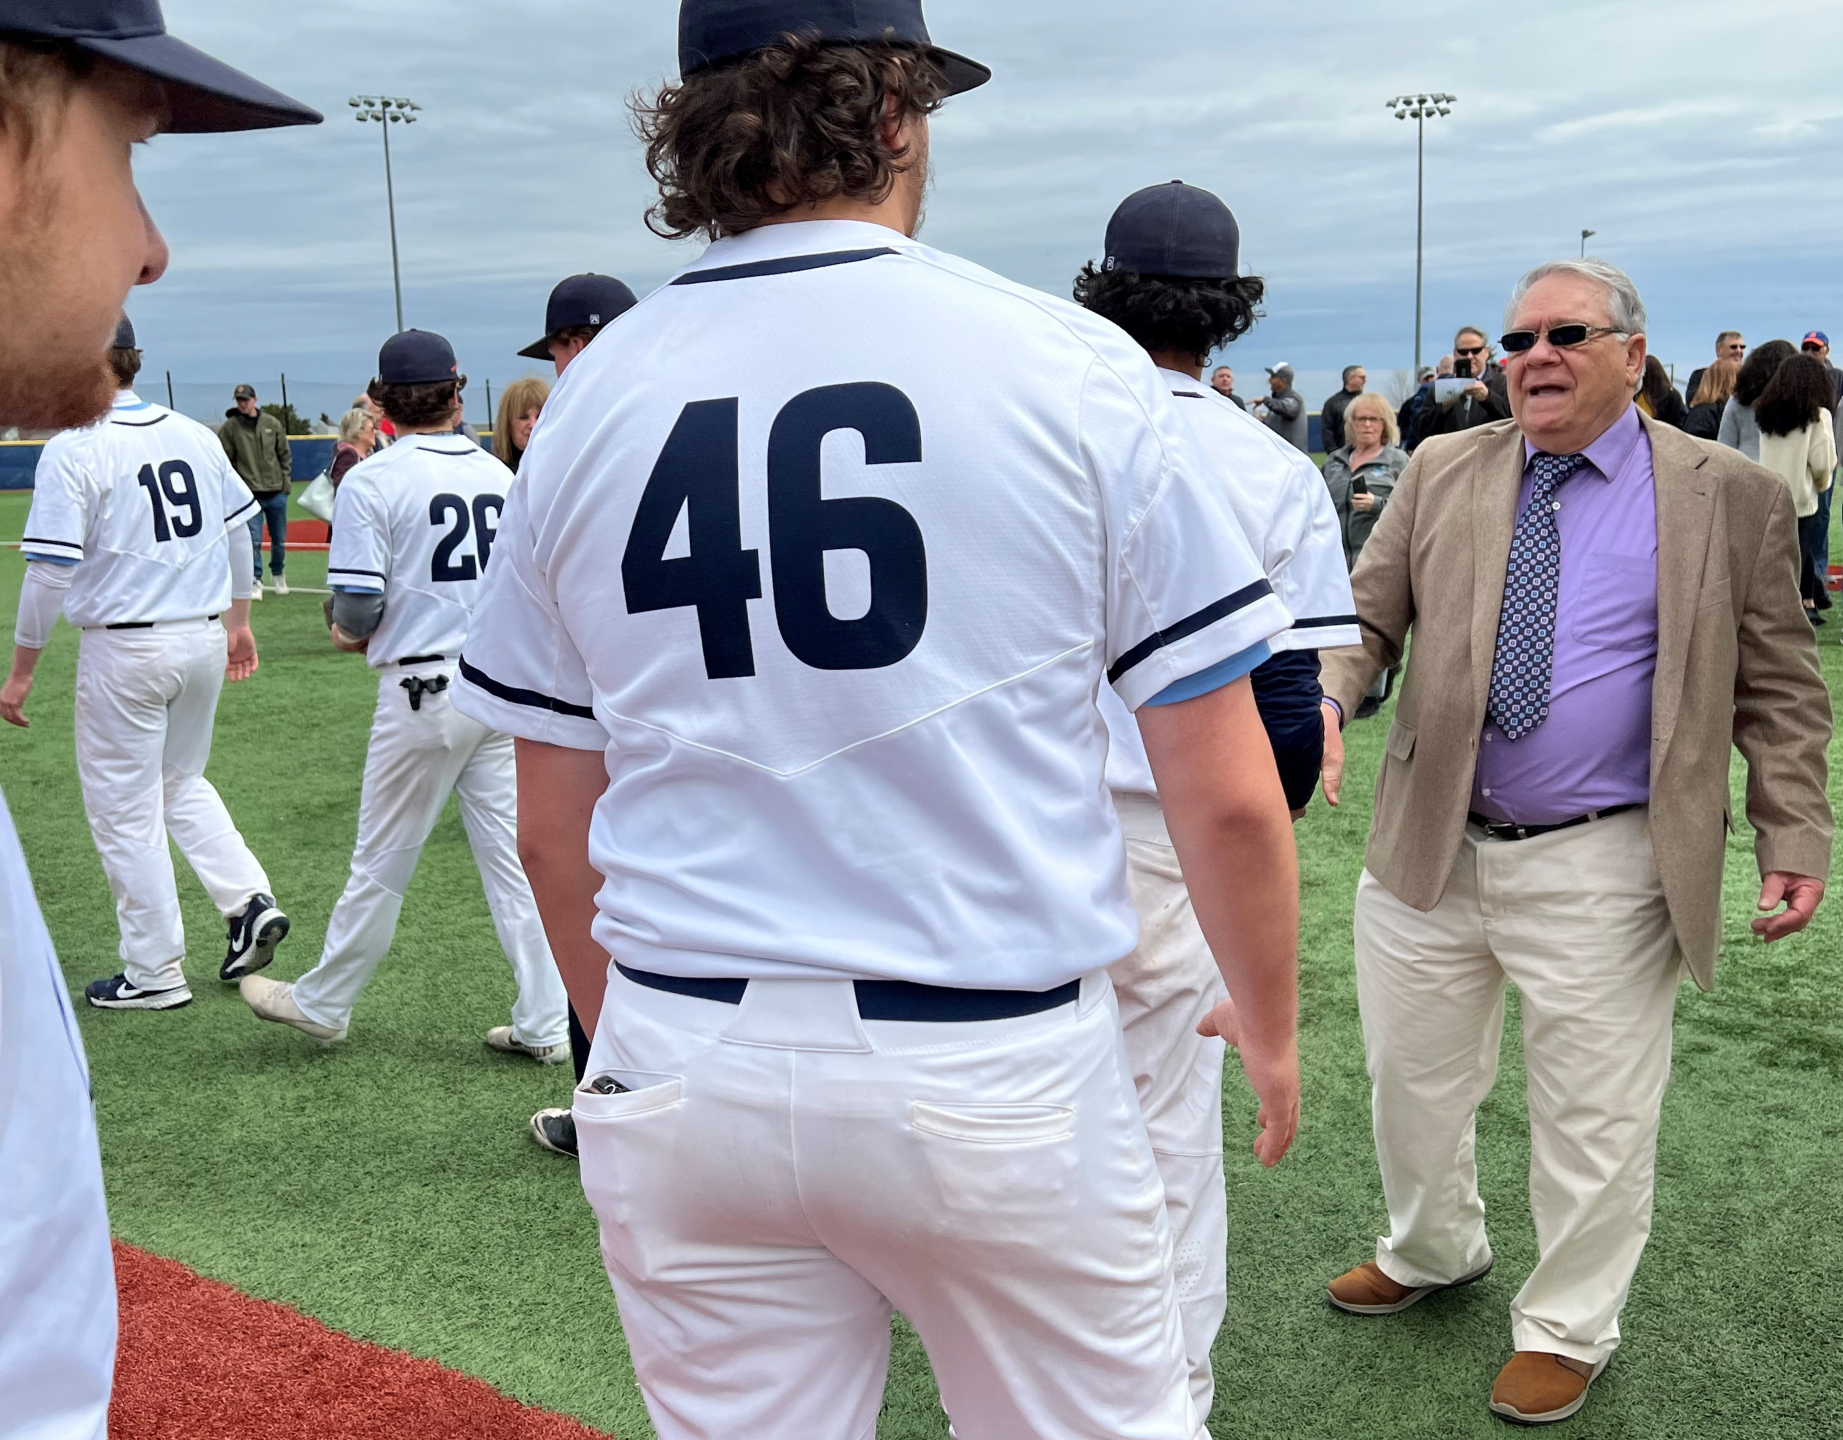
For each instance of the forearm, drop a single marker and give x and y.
(242, 564)
(557, 792)
(41, 597)
(1227, 815)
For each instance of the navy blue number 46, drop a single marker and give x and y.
(698, 472)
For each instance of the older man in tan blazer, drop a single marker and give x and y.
(1601, 606)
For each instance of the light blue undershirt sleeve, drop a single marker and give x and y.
(1223, 672)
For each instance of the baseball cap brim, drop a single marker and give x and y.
(204, 96)
(962, 74)
(537, 350)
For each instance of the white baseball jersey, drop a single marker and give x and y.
(142, 498)
(1286, 512)
(828, 544)
(415, 523)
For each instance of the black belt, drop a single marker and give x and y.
(140, 624)
(886, 999)
(421, 659)
(1507, 830)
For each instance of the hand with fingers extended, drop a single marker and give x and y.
(1799, 894)
(1273, 1071)
(13, 699)
(1331, 768)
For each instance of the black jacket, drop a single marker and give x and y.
(1331, 421)
(1466, 412)
(1704, 421)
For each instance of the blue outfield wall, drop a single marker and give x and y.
(19, 459)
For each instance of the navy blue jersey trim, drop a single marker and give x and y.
(475, 676)
(1190, 394)
(139, 424)
(786, 265)
(1315, 622)
(472, 449)
(26, 540)
(241, 511)
(1184, 628)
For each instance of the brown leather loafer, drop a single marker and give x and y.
(1537, 1388)
(1367, 1291)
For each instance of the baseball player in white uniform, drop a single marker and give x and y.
(413, 533)
(1169, 279)
(138, 532)
(804, 661)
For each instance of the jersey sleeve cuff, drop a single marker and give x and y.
(1224, 628)
(528, 714)
(1320, 632)
(241, 515)
(1223, 672)
(62, 552)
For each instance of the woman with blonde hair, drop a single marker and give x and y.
(1361, 476)
(1710, 399)
(519, 404)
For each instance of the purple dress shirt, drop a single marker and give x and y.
(1594, 750)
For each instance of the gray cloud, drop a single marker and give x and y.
(1697, 137)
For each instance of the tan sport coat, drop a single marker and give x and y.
(1736, 663)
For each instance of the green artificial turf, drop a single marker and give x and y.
(387, 1186)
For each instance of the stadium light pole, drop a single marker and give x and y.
(388, 110)
(1584, 235)
(1420, 109)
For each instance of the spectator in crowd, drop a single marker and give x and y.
(1283, 409)
(1817, 343)
(1411, 407)
(1444, 370)
(1479, 403)
(579, 306)
(1537, 824)
(385, 431)
(358, 437)
(519, 405)
(1361, 476)
(1709, 398)
(1223, 383)
(1658, 398)
(1728, 346)
(1738, 430)
(257, 445)
(1795, 414)
(1331, 413)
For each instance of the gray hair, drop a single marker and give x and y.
(1625, 312)
(352, 422)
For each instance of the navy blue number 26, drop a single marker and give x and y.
(698, 472)
(442, 508)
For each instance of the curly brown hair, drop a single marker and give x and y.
(790, 125)
(415, 407)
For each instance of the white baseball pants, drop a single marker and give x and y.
(783, 1173)
(416, 759)
(1164, 988)
(146, 700)
(1576, 920)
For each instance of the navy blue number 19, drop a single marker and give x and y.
(698, 472)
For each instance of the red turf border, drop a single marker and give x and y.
(199, 1360)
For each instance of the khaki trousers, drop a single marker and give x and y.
(1576, 920)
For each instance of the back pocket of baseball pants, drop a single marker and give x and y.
(1002, 1173)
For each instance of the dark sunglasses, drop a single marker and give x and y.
(1469, 349)
(1562, 337)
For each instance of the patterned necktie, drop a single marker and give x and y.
(1525, 661)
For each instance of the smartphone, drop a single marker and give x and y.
(1357, 487)
(608, 1085)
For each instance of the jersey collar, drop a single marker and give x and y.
(797, 237)
(127, 400)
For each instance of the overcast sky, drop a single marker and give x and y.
(1700, 138)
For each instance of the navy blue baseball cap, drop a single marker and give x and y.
(713, 31)
(1174, 229)
(580, 300)
(203, 95)
(124, 335)
(417, 357)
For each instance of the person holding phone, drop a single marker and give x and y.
(1486, 399)
(1361, 476)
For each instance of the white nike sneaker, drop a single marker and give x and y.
(256, 592)
(501, 1038)
(281, 584)
(274, 1000)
